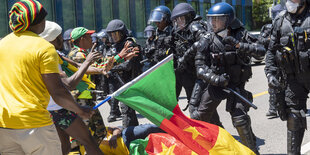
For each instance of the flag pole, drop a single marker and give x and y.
(132, 82)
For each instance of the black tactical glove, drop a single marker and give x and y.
(260, 50)
(273, 82)
(223, 80)
(229, 40)
(181, 63)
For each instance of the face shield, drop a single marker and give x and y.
(115, 36)
(148, 34)
(292, 6)
(156, 17)
(218, 22)
(67, 45)
(179, 23)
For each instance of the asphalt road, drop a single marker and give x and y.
(271, 133)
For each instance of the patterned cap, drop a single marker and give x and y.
(25, 13)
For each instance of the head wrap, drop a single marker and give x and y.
(51, 32)
(25, 13)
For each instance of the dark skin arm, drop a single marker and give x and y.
(117, 132)
(90, 70)
(62, 96)
(74, 80)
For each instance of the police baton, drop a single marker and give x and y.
(242, 98)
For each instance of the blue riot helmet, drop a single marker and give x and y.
(149, 31)
(220, 16)
(182, 15)
(160, 13)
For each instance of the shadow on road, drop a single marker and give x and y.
(259, 141)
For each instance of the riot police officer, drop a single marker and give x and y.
(103, 46)
(264, 39)
(124, 72)
(289, 52)
(227, 64)
(187, 29)
(163, 43)
(149, 34)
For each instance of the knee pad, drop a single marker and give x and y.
(240, 120)
(296, 120)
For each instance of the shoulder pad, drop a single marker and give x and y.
(197, 17)
(195, 27)
(282, 13)
(269, 26)
(131, 39)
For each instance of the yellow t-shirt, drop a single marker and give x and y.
(24, 98)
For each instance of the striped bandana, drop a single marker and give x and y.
(26, 13)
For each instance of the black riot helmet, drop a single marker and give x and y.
(149, 31)
(116, 30)
(160, 13)
(182, 15)
(103, 35)
(220, 16)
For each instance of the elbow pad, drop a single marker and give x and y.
(254, 49)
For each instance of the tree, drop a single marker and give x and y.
(260, 13)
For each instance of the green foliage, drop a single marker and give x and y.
(260, 13)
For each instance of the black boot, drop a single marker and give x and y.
(129, 116)
(243, 126)
(294, 140)
(114, 112)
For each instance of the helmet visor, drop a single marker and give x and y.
(115, 36)
(156, 16)
(218, 23)
(179, 23)
(148, 34)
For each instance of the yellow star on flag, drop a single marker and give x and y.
(194, 132)
(166, 150)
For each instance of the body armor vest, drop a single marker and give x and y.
(294, 50)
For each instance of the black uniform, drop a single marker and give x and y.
(264, 39)
(185, 52)
(126, 71)
(225, 66)
(120, 75)
(289, 52)
(160, 47)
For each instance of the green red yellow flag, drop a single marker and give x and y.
(154, 96)
(159, 144)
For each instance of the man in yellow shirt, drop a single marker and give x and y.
(29, 75)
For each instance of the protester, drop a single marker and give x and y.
(30, 74)
(68, 123)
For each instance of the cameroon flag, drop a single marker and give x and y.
(159, 144)
(153, 95)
